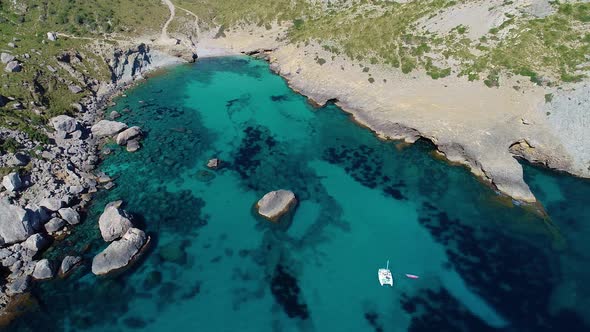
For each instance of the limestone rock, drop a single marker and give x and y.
(64, 123)
(36, 243)
(133, 145)
(42, 270)
(54, 225)
(213, 163)
(18, 285)
(70, 215)
(15, 223)
(119, 253)
(13, 67)
(12, 182)
(74, 89)
(107, 128)
(52, 36)
(275, 204)
(114, 115)
(68, 263)
(51, 203)
(113, 223)
(128, 134)
(18, 159)
(6, 57)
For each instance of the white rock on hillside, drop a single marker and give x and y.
(12, 182)
(64, 123)
(6, 57)
(15, 223)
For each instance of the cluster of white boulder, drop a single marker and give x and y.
(128, 136)
(126, 244)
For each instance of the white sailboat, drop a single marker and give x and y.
(385, 277)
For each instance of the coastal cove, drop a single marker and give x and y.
(214, 265)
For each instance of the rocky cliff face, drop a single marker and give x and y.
(129, 64)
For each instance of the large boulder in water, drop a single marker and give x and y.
(113, 223)
(119, 253)
(275, 204)
(43, 270)
(68, 263)
(128, 134)
(70, 215)
(64, 123)
(15, 223)
(107, 128)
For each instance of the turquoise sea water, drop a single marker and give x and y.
(484, 265)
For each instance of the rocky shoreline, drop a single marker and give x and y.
(485, 129)
(51, 185)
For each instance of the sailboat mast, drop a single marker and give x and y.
(388, 264)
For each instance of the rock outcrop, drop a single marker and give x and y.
(15, 223)
(107, 128)
(6, 57)
(12, 182)
(275, 204)
(36, 243)
(54, 225)
(128, 134)
(113, 223)
(43, 270)
(64, 123)
(69, 215)
(119, 253)
(13, 67)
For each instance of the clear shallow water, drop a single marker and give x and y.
(215, 266)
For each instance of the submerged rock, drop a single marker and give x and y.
(42, 270)
(15, 223)
(113, 223)
(107, 128)
(12, 182)
(133, 145)
(275, 204)
(128, 134)
(68, 263)
(119, 253)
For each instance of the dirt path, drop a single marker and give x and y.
(59, 34)
(196, 20)
(164, 38)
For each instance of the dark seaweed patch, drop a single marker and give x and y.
(373, 320)
(279, 98)
(286, 292)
